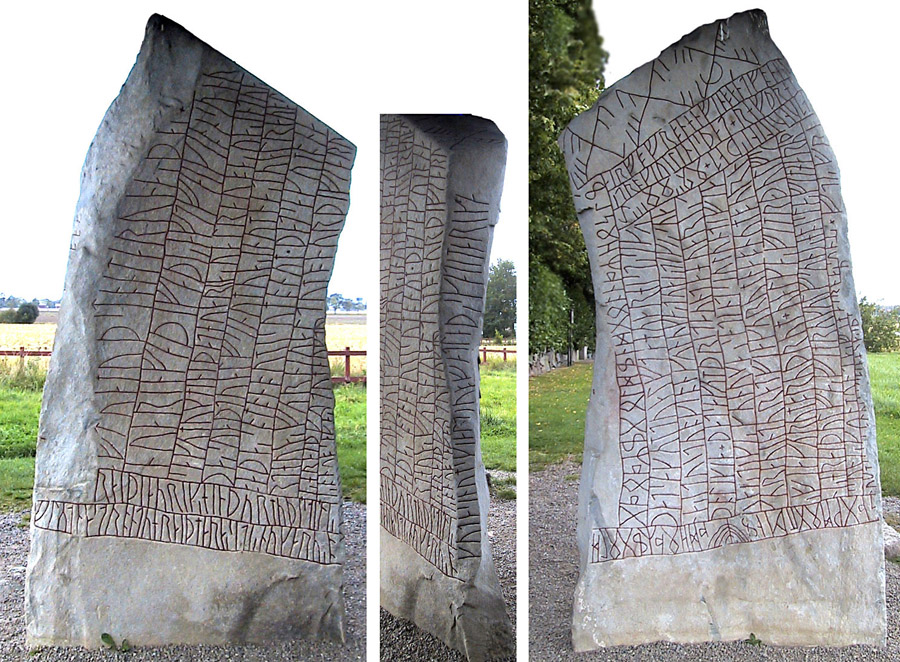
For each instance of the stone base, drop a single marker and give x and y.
(155, 594)
(801, 590)
(475, 623)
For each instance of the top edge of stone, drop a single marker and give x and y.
(157, 27)
(456, 131)
(754, 20)
(745, 33)
(751, 21)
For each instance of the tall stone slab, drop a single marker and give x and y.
(186, 486)
(730, 481)
(441, 179)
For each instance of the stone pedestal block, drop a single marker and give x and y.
(730, 480)
(186, 485)
(441, 178)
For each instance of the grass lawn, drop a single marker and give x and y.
(16, 481)
(558, 399)
(18, 422)
(19, 412)
(884, 373)
(498, 415)
(18, 432)
(350, 429)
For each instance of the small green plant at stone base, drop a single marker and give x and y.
(753, 640)
(110, 643)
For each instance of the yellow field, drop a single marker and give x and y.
(29, 336)
(337, 336)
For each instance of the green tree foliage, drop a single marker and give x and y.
(566, 61)
(338, 302)
(881, 326)
(548, 310)
(26, 314)
(500, 301)
(334, 301)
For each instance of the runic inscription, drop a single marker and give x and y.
(738, 367)
(434, 248)
(213, 390)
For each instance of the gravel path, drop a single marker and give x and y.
(14, 545)
(401, 641)
(553, 571)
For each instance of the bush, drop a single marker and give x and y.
(26, 314)
(880, 326)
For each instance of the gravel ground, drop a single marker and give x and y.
(892, 511)
(401, 641)
(554, 569)
(14, 545)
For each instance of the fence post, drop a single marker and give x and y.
(347, 365)
(22, 359)
(504, 354)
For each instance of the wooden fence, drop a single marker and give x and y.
(22, 352)
(346, 378)
(485, 350)
(347, 353)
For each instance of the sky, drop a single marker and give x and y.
(844, 57)
(343, 62)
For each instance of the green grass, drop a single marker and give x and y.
(557, 401)
(498, 415)
(350, 430)
(20, 407)
(16, 481)
(29, 376)
(19, 412)
(884, 373)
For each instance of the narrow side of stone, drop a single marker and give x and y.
(441, 183)
(186, 486)
(730, 480)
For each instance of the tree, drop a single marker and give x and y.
(880, 326)
(334, 301)
(566, 61)
(500, 300)
(26, 314)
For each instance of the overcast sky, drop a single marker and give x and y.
(844, 57)
(345, 62)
